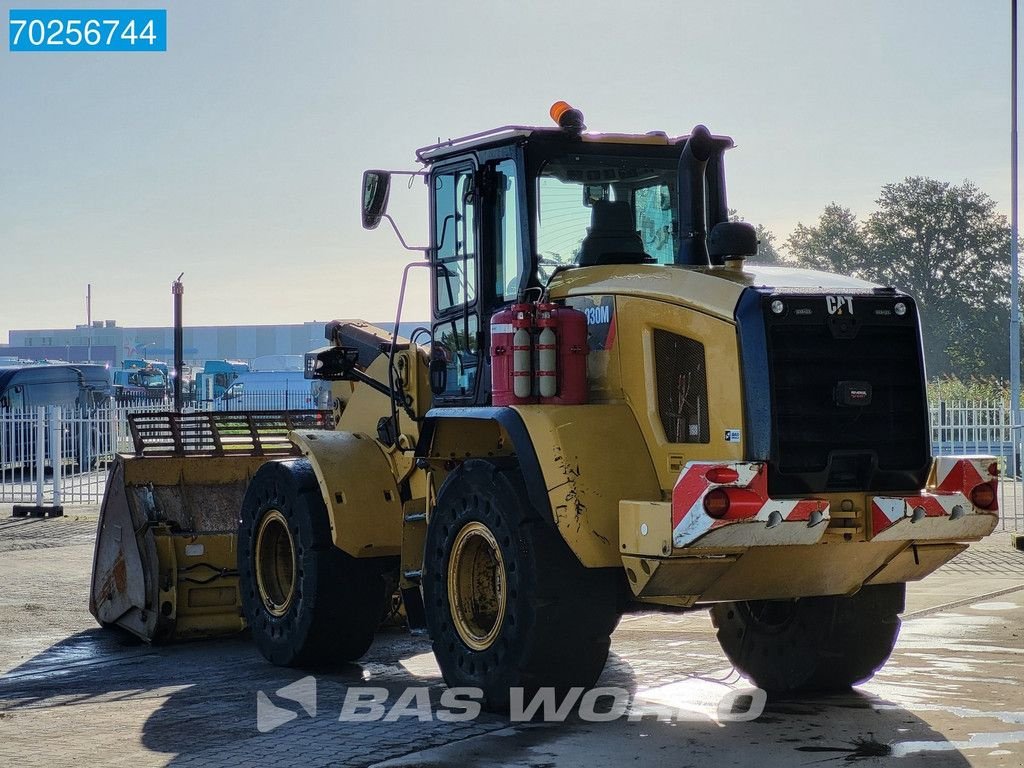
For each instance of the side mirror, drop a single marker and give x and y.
(376, 186)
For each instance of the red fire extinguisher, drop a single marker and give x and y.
(561, 355)
(512, 355)
(547, 351)
(572, 358)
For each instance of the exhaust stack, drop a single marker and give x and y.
(693, 225)
(703, 208)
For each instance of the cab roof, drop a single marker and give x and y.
(512, 134)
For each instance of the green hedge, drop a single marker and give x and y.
(951, 388)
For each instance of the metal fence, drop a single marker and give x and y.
(53, 455)
(972, 427)
(288, 399)
(59, 456)
(985, 427)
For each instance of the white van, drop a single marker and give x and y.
(269, 391)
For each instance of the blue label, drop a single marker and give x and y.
(87, 29)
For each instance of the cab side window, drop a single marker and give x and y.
(454, 239)
(456, 331)
(508, 260)
(456, 342)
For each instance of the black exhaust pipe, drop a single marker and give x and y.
(693, 225)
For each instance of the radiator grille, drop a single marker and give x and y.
(820, 444)
(682, 387)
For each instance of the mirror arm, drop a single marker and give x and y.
(398, 234)
(395, 392)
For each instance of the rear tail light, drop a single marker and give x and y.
(716, 503)
(983, 496)
(722, 475)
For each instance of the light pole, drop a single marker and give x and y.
(1014, 274)
(177, 291)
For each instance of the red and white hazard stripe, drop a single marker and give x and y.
(961, 501)
(750, 517)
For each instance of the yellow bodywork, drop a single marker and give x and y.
(590, 457)
(606, 469)
(699, 304)
(603, 471)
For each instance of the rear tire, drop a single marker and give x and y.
(307, 603)
(507, 603)
(814, 643)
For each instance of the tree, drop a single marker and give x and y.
(836, 244)
(767, 251)
(946, 245)
(940, 239)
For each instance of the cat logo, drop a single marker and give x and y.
(839, 305)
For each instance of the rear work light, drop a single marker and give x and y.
(983, 496)
(716, 503)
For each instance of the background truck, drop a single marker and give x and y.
(130, 364)
(615, 411)
(139, 384)
(269, 390)
(79, 388)
(216, 377)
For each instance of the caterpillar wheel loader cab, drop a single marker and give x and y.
(616, 410)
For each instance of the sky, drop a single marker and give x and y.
(236, 156)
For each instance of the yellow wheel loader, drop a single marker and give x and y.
(613, 408)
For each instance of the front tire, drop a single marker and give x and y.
(307, 603)
(507, 603)
(814, 644)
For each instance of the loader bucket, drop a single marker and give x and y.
(164, 565)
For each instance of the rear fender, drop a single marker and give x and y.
(577, 463)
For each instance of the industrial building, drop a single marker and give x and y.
(107, 342)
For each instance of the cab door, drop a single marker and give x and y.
(479, 264)
(457, 359)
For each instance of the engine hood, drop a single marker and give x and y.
(713, 290)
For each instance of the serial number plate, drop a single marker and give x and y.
(87, 30)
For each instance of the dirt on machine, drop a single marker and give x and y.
(614, 408)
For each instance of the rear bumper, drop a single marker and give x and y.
(755, 547)
(943, 511)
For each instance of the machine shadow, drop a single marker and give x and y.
(205, 701)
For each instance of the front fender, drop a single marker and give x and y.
(359, 490)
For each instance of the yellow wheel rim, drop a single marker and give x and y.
(476, 586)
(275, 563)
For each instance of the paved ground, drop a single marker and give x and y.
(71, 693)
